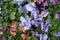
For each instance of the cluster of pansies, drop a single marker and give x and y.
(34, 14)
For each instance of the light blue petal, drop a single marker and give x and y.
(22, 19)
(41, 24)
(47, 25)
(28, 7)
(38, 18)
(41, 36)
(45, 36)
(22, 8)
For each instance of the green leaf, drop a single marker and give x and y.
(5, 24)
(34, 38)
(12, 13)
(9, 37)
(0, 24)
(12, 17)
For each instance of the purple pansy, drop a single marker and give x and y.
(34, 13)
(44, 13)
(53, 2)
(46, 26)
(45, 4)
(35, 33)
(57, 15)
(25, 22)
(22, 8)
(34, 22)
(2, 28)
(43, 36)
(39, 1)
(22, 19)
(57, 34)
(41, 24)
(27, 17)
(38, 18)
(28, 7)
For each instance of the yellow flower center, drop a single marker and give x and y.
(34, 0)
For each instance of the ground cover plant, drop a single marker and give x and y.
(29, 19)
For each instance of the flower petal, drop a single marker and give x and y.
(45, 37)
(47, 25)
(57, 34)
(22, 19)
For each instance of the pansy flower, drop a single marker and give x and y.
(25, 23)
(46, 26)
(28, 7)
(34, 22)
(41, 24)
(23, 29)
(35, 33)
(53, 2)
(14, 24)
(57, 15)
(24, 36)
(23, 19)
(43, 36)
(3, 38)
(22, 8)
(27, 17)
(2, 28)
(45, 4)
(12, 29)
(39, 1)
(38, 17)
(57, 34)
(34, 13)
(43, 13)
